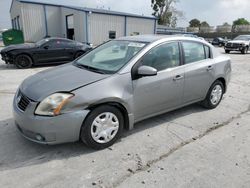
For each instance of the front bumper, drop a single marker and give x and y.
(48, 130)
(234, 48)
(7, 58)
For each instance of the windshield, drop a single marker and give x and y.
(41, 42)
(242, 37)
(110, 57)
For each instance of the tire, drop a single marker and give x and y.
(23, 61)
(78, 54)
(90, 127)
(227, 51)
(211, 101)
(245, 50)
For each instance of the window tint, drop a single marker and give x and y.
(163, 56)
(193, 52)
(67, 44)
(54, 44)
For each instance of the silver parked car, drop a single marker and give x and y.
(104, 92)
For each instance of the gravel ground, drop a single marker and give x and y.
(190, 147)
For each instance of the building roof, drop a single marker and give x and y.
(85, 9)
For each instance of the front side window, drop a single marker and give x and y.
(110, 57)
(163, 57)
(193, 52)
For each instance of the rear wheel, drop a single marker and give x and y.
(78, 54)
(102, 127)
(23, 61)
(214, 95)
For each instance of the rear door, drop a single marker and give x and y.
(164, 91)
(199, 70)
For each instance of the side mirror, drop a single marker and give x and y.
(146, 71)
(46, 47)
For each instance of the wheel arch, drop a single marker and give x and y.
(79, 51)
(25, 53)
(223, 81)
(119, 106)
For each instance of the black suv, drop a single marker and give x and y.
(218, 41)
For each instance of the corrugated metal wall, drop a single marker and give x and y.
(101, 24)
(96, 30)
(17, 11)
(53, 15)
(33, 22)
(140, 25)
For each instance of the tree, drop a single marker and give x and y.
(204, 24)
(226, 24)
(194, 23)
(165, 12)
(241, 21)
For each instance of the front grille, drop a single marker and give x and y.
(233, 45)
(22, 101)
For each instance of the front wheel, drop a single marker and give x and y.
(227, 51)
(245, 50)
(102, 127)
(23, 61)
(214, 95)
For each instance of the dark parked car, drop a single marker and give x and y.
(46, 51)
(218, 41)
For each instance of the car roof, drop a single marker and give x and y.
(58, 38)
(153, 38)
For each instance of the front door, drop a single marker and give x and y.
(164, 91)
(52, 52)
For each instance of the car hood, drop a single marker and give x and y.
(18, 47)
(238, 41)
(64, 78)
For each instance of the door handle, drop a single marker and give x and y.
(209, 68)
(178, 77)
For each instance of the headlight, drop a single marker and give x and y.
(53, 104)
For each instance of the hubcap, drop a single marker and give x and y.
(23, 61)
(104, 127)
(216, 95)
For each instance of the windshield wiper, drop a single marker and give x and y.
(93, 69)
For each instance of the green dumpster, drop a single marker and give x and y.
(12, 36)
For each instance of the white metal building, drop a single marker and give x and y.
(38, 19)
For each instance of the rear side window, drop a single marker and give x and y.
(193, 52)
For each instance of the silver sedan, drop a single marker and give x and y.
(119, 83)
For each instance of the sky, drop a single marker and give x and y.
(215, 12)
